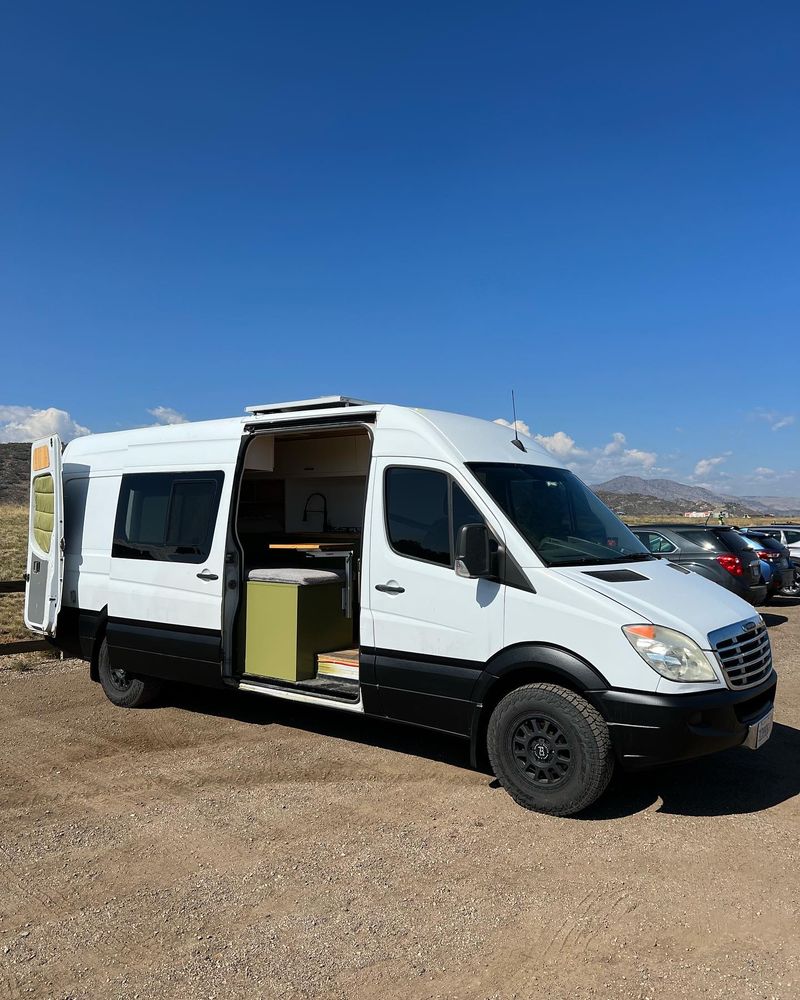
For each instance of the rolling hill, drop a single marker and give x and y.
(15, 461)
(637, 496)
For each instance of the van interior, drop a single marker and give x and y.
(299, 524)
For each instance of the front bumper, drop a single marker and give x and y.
(651, 729)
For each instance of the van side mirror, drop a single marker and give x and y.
(473, 557)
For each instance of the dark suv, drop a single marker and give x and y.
(715, 552)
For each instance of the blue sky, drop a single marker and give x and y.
(206, 206)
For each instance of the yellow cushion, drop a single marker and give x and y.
(44, 505)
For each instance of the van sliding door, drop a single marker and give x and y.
(167, 572)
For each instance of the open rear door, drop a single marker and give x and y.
(45, 537)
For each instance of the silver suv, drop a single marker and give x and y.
(786, 534)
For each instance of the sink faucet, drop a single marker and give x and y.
(324, 511)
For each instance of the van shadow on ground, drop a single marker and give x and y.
(254, 709)
(729, 783)
(724, 784)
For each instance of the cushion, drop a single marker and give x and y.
(299, 576)
(43, 511)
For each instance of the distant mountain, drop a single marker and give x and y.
(651, 496)
(664, 489)
(639, 505)
(775, 505)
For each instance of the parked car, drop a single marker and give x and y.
(786, 534)
(717, 552)
(787, 583)
(781, 572)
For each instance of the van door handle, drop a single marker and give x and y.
(205, 575)
(390, 588)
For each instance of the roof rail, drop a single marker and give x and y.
(319, 403)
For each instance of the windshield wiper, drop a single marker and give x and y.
(605, 560)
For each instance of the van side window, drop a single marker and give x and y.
(167, 516)
(464, 512)
(417, 514)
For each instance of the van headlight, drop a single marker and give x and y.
(670, 653)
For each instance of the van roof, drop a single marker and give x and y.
(400, 431)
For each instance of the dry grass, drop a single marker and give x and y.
(740, 522)
(13, 540)
(13, 550)
(11, 624)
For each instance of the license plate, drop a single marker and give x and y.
(763, 730)
(759, 733)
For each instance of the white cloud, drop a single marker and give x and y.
(519, 425)
(615, 445)
(593, 464)
(705, 465)
(763, 470)
(776, 421)
(26, 423)
(166, 415)
(561, 445)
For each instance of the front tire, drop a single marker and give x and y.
(121, 688)
(550, 749)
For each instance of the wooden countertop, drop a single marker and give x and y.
(300, 546)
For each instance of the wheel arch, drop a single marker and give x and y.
(527, 663)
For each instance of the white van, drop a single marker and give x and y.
(416, 565)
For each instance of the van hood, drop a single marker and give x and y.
(658, 593)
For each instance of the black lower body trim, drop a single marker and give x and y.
(76, 632)
(651, 729)
(428, 691)
(169, 652)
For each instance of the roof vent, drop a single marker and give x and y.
(319, 403)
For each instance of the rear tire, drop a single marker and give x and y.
(550, 749)
(122, 688)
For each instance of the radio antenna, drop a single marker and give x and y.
(516, 442)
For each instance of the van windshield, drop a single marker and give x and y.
(562, 520)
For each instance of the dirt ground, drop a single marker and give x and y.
(226, 846)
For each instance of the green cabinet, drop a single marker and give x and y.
(289, 621)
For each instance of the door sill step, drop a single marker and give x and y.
(323, 688)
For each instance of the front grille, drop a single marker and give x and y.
(744, 654)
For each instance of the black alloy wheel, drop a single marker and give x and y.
(120, 678)
(542, 750)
